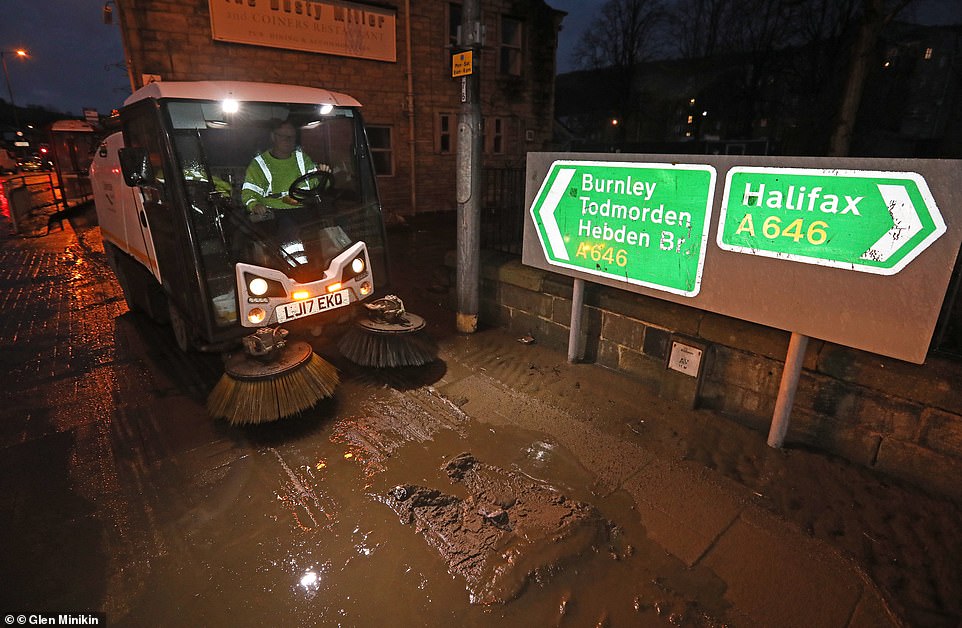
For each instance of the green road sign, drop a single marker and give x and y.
(643, 223)
(874, 222)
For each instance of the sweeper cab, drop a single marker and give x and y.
(168, 189)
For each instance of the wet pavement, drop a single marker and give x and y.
(121, 496)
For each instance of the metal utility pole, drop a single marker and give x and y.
(469, 174)
(3, 60)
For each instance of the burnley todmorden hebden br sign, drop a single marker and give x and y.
(643, 223)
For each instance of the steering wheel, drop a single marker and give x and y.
(317, 182)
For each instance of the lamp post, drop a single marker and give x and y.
(20, 52)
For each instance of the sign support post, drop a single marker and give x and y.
(787, 388)
(577, 309)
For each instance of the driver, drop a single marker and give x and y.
(271, 173)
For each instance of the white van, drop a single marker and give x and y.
(7, 163)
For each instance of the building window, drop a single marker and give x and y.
(928, 54)
(382, 151)
(511, 41)
(497, 137)
(454, 23)
(494, 133)
(446, 133)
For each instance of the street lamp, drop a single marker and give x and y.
(20, 52)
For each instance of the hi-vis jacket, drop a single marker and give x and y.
(268, 179)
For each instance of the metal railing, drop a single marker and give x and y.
(32, 200)
(502, 209)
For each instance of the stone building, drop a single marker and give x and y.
(394, 57)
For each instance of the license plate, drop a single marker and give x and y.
(309, 307)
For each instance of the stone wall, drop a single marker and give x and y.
(172, 39)
(902, 419)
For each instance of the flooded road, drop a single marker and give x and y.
(124, 497)
(289, 524)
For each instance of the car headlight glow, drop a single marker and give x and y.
(256, 316)
(358, 265)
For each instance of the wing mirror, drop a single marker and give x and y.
(136, 166)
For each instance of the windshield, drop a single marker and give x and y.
(237, 170)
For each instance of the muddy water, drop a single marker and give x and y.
(342, 556)
(300, 533)
(129, 500)
(123, 497)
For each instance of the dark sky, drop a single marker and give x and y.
(76, 60)
(72, 53)
(582, 12)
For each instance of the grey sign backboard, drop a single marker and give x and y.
(858, 252)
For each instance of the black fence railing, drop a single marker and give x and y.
(31, 200)
(502, 209)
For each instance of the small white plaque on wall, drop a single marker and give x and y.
(685, 358)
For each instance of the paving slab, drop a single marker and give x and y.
(682, 508)
(778, 577)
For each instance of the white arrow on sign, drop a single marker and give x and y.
(907, 223)
(546, 212)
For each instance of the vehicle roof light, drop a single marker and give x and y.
(326, 109)
(229, 105)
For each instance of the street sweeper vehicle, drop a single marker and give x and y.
(169, 193)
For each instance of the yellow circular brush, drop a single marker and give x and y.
(253, 390)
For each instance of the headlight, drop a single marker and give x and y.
(258, 287)
(256, 315)
(356, 269)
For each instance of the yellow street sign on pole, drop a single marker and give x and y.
(462, 63)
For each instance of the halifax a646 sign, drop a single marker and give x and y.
(874, 222)
(643, 223)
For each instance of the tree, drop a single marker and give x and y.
(820, 31)
(875, 15)
(626, 34)
(813, 77)
(699, 26)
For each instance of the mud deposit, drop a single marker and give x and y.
(507, 530)
(512, 534)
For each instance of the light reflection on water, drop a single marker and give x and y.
(310, 582)
(540, 452)
(373, 570)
